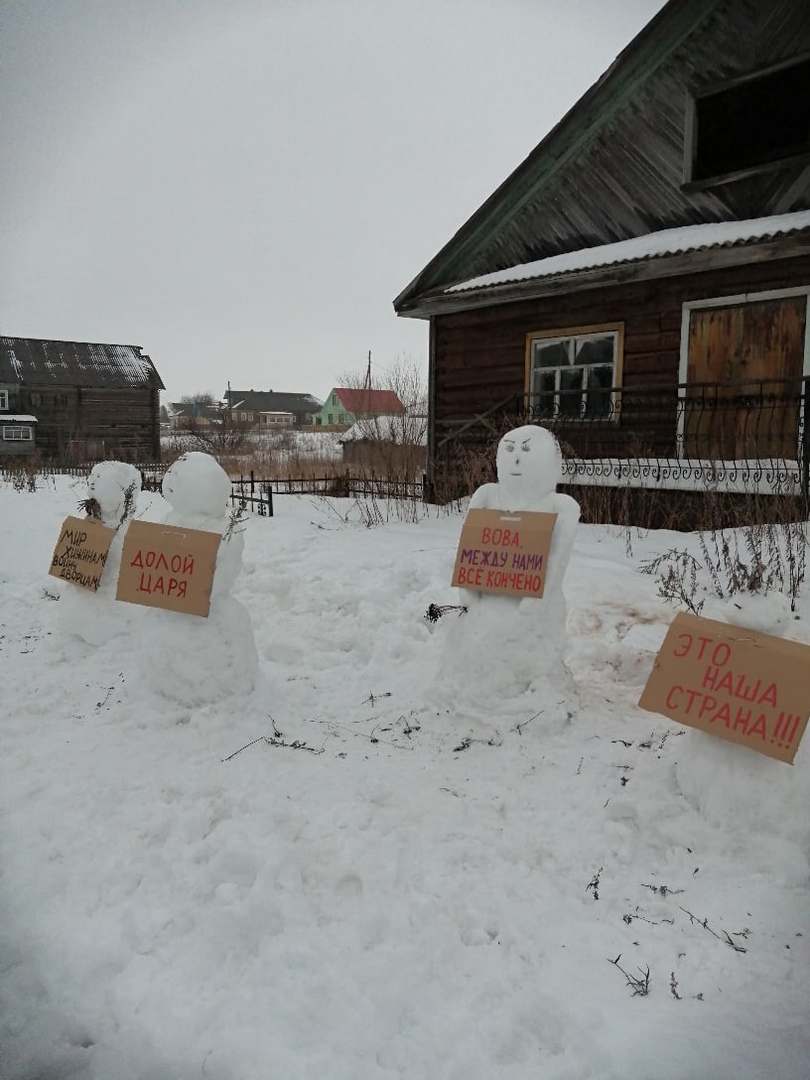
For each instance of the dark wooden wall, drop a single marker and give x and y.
(479, 356)
(82, 424)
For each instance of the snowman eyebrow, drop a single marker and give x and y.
(509, 444)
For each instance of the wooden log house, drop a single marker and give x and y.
(640, 282)
(88, 401)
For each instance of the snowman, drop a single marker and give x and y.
(113, 488)
(187, 658)
(516, 643)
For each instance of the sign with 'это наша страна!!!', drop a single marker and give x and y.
(741, 685)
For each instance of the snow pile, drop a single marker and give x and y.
(340, 881)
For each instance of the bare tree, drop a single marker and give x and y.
(392, 446)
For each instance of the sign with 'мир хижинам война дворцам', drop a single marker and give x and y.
(81, 552)
(741, 685)
(165, 566)
(503, 552)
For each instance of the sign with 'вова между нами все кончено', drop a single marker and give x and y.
(505, 553)
(740, 685)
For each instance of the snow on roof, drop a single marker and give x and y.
(396, 429)
(20, 418)
(650, 246)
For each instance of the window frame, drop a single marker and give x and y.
(734, 301)
(694, 100)
(568, 333)
(4, 395)
(19, 433)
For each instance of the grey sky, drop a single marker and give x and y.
(242, 187)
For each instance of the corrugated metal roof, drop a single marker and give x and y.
(690, 238)
(272, 401)
(378, 402)
(39, 362)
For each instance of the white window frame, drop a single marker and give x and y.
(569, 334)
(18, 433)
(4, 400)
(737, 300)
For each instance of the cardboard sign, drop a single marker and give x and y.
(504, 553)
(750, 688)
(165, 566)
(81, 552)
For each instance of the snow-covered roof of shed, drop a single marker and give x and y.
(396, 429)
(650, 246)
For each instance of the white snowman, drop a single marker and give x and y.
(512, 641)
(187, 658)
(113, 488)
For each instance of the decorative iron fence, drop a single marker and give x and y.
(743, 435)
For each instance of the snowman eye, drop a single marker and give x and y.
(509, 447)
(526, 447)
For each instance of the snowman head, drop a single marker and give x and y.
(113, 488)
(196, 485)
(529, 462)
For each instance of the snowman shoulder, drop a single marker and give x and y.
(485, 498)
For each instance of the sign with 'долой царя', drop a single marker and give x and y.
(502, 552)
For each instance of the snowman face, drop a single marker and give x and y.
(529, 465)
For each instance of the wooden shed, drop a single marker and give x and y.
(640, 282)
(90, 401)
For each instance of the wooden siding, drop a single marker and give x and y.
(81, 424)
(478, 356)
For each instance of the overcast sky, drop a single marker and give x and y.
(242, 187)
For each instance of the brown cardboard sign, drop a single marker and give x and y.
(740, 685)
(502, 552)
(81, 552)
(168, 567)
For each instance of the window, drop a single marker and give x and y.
(35, 399)
(329, 419)
(751, 123)
(334, 399)
(60, 399)
(4, 399)
(17, 434)
(573, 373)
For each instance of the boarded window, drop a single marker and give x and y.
(744, 370)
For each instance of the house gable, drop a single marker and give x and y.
(616, 166)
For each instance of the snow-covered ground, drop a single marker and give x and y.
(348, 874)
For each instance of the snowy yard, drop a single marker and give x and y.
(396, 880)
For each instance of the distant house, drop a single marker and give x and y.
(271, 410)
(640, 282)
(188, 415)
(345, 405)
(88, 401)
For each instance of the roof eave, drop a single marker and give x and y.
(445, 303)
